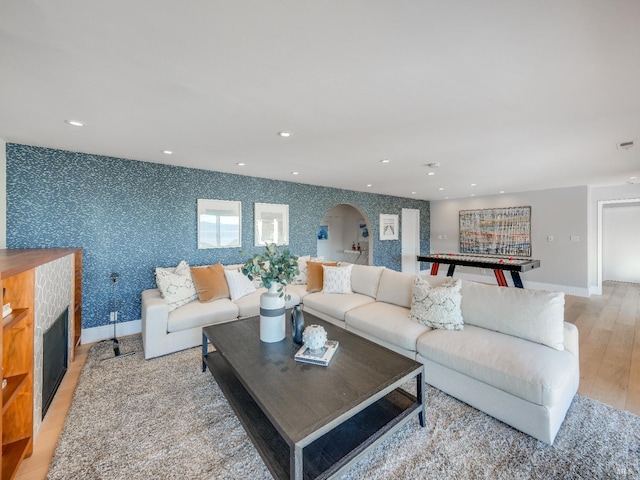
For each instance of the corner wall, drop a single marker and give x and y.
(3, 194)
(130, 217)
(560, 213)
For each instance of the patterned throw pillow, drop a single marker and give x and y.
(239, 284)
(315, 275)
(336, 279)
(437, 307)
(176, 285)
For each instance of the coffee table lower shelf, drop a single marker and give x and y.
(332, 452)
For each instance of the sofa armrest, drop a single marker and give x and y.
(571, 339)
(155, 314)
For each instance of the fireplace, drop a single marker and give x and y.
(55, 358)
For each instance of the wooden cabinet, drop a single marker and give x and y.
(18, 282)
(17, 369)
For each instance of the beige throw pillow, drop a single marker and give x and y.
(437, 307)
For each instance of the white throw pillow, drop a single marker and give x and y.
(176, 285)
(336, 279)
(437, 307)
(239, 284)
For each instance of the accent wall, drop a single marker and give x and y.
(130, 216)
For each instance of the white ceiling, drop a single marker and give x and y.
(509, 95)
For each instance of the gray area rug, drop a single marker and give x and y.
(164, 419)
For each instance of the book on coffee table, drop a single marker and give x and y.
(321, 358)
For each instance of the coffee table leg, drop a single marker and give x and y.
(295, 464)
(421, 393)
(204, 351)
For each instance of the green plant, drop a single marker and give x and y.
(272, 266)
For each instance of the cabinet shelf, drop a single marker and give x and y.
(12, 455)
(9, 393)
(13, 318)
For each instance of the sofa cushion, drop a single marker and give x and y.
(176, 285)
(395, 288)
(525, 369)
(197, 314)
(534, 315)
(365, 279)
(386, 322)
(336, 279)
(238, 283)
(314, 275)
(335, 305)
(437, 307)
(210, 282)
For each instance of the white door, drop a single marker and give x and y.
(410, 235)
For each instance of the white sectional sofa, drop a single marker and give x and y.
(515, 358)
(165, 331)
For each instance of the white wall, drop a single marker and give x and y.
(620, 239)
(560, 213)
(3, 194)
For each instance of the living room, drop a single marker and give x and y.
(539, 122)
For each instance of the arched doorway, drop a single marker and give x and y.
(341, 231)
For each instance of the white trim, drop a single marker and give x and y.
(601, 204)
(105, 332)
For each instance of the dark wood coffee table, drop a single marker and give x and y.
(309, 421)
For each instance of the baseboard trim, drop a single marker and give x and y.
(490, 279)
(105, 332)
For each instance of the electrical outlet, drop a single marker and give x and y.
(549, 238)
(113, 317)
(574, 238)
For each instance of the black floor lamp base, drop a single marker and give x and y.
(116, 351)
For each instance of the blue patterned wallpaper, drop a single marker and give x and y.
(131, 216)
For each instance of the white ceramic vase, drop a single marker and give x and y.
(272, 318)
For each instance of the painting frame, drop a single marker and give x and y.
(389, 224)
(209, 217)
(504, 231)
(267, 228)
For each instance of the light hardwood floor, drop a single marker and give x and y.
(609, 327)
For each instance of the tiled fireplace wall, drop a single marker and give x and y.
(54, 294)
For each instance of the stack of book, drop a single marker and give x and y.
(323, 357)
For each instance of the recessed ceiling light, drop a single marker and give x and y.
(295, 173)
(385, 160)
(473, 195)
(413, 193)
(284, 134)
(369, 185)
(632, 178)
(431, 173)
(446, 198)
(441, 188)
(473, 184)
(74, 123)
(241, 164)
(167, 152)
(501, 191)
